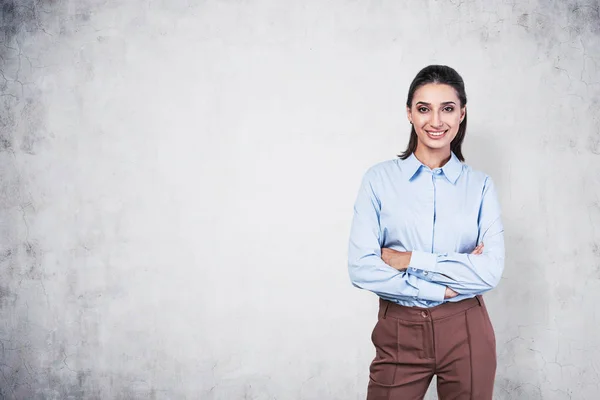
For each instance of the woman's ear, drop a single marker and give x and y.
(463, 112)
(409, 115)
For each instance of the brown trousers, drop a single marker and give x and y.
(454, 341)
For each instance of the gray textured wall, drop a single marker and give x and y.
(177, 180)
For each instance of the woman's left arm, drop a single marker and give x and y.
(469, 273)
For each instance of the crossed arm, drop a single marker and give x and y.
(417, 274)
(400, 260)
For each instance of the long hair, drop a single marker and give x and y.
(444, 75)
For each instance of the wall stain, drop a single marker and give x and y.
(523, 20)
(19, 254)
(7, 122)
(32, 117)
(7, 297)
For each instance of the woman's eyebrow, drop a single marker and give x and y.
(428, 104)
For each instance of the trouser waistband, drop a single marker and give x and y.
(391, 309)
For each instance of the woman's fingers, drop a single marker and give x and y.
(478, 249)
(450, 293)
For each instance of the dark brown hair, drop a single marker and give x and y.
(444, 75)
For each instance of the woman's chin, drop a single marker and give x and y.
(436, 145)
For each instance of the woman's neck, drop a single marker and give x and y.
(433, 159)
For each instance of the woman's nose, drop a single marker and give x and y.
(435, 120)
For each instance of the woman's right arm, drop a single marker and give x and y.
(366, 268)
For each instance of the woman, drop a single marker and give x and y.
(417, 241)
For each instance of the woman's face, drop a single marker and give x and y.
(436, 116)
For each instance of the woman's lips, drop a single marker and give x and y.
(435, 135)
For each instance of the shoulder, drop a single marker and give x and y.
(382, 169)
(383, 166)
(477, 178)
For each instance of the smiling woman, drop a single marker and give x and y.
(417, 241)
(436, 108)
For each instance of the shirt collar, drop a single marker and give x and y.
(451, 169)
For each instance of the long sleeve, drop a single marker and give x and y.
(366, 268)
(469, 274)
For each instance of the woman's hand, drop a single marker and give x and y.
(478, 249)
(396, 259)
(451, 293)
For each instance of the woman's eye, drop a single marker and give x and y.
(449, 109)
(422, 109)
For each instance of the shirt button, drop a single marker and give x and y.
(413, 268)
(439, 171)
(424, 314)
(425, 273)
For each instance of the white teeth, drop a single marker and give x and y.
(437, 133)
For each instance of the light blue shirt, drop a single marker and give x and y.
(439, 215)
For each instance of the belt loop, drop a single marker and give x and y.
(387, 304)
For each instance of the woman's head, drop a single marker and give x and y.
(436, 110)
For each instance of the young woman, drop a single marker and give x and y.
(417, 241)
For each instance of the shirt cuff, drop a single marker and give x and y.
(428, 276)
(431, 291)
(423, 261)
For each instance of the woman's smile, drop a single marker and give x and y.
(435, 135)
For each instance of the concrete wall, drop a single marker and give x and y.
(177, 180)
